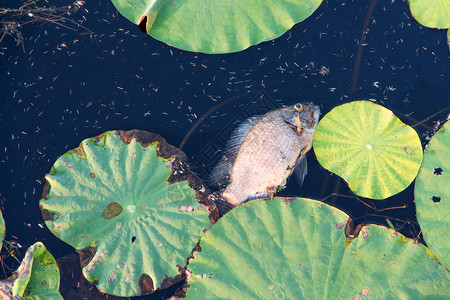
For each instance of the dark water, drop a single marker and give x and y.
(69, 85)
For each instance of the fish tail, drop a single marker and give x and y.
(221, 203)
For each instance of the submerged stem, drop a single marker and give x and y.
(361, 46)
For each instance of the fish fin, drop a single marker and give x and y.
(221, 203)
(224, 207)
(300, 171)
(259, 196)
(220, 174)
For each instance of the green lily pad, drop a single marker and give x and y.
(432, 195)
(2, 229)
(212, 26)
(297, 249)
(431, 13)
(129, 203)
(38, 275)
(36, 278)
(369, 147)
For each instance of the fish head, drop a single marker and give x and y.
(302, 116)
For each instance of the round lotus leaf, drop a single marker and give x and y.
(432, 194)
(212, 26)
(431, 13)
(128, 202)
(36, 278)
(369, 147)
(297, 249)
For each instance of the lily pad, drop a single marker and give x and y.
(431, 13)
(36, 278)
(369, 147)
(432, 194)
(128, 202)
(297, 249)
(212, 26)
(2, 229)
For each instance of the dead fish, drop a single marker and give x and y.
(264, 151)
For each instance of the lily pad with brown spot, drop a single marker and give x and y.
(288, 248)
(36, 278)
(126, 220)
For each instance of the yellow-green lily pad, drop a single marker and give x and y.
(431, 13)
(369, 147)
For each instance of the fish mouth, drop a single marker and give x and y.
(310, 119)
(316, 115)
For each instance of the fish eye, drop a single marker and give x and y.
(298, 107)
